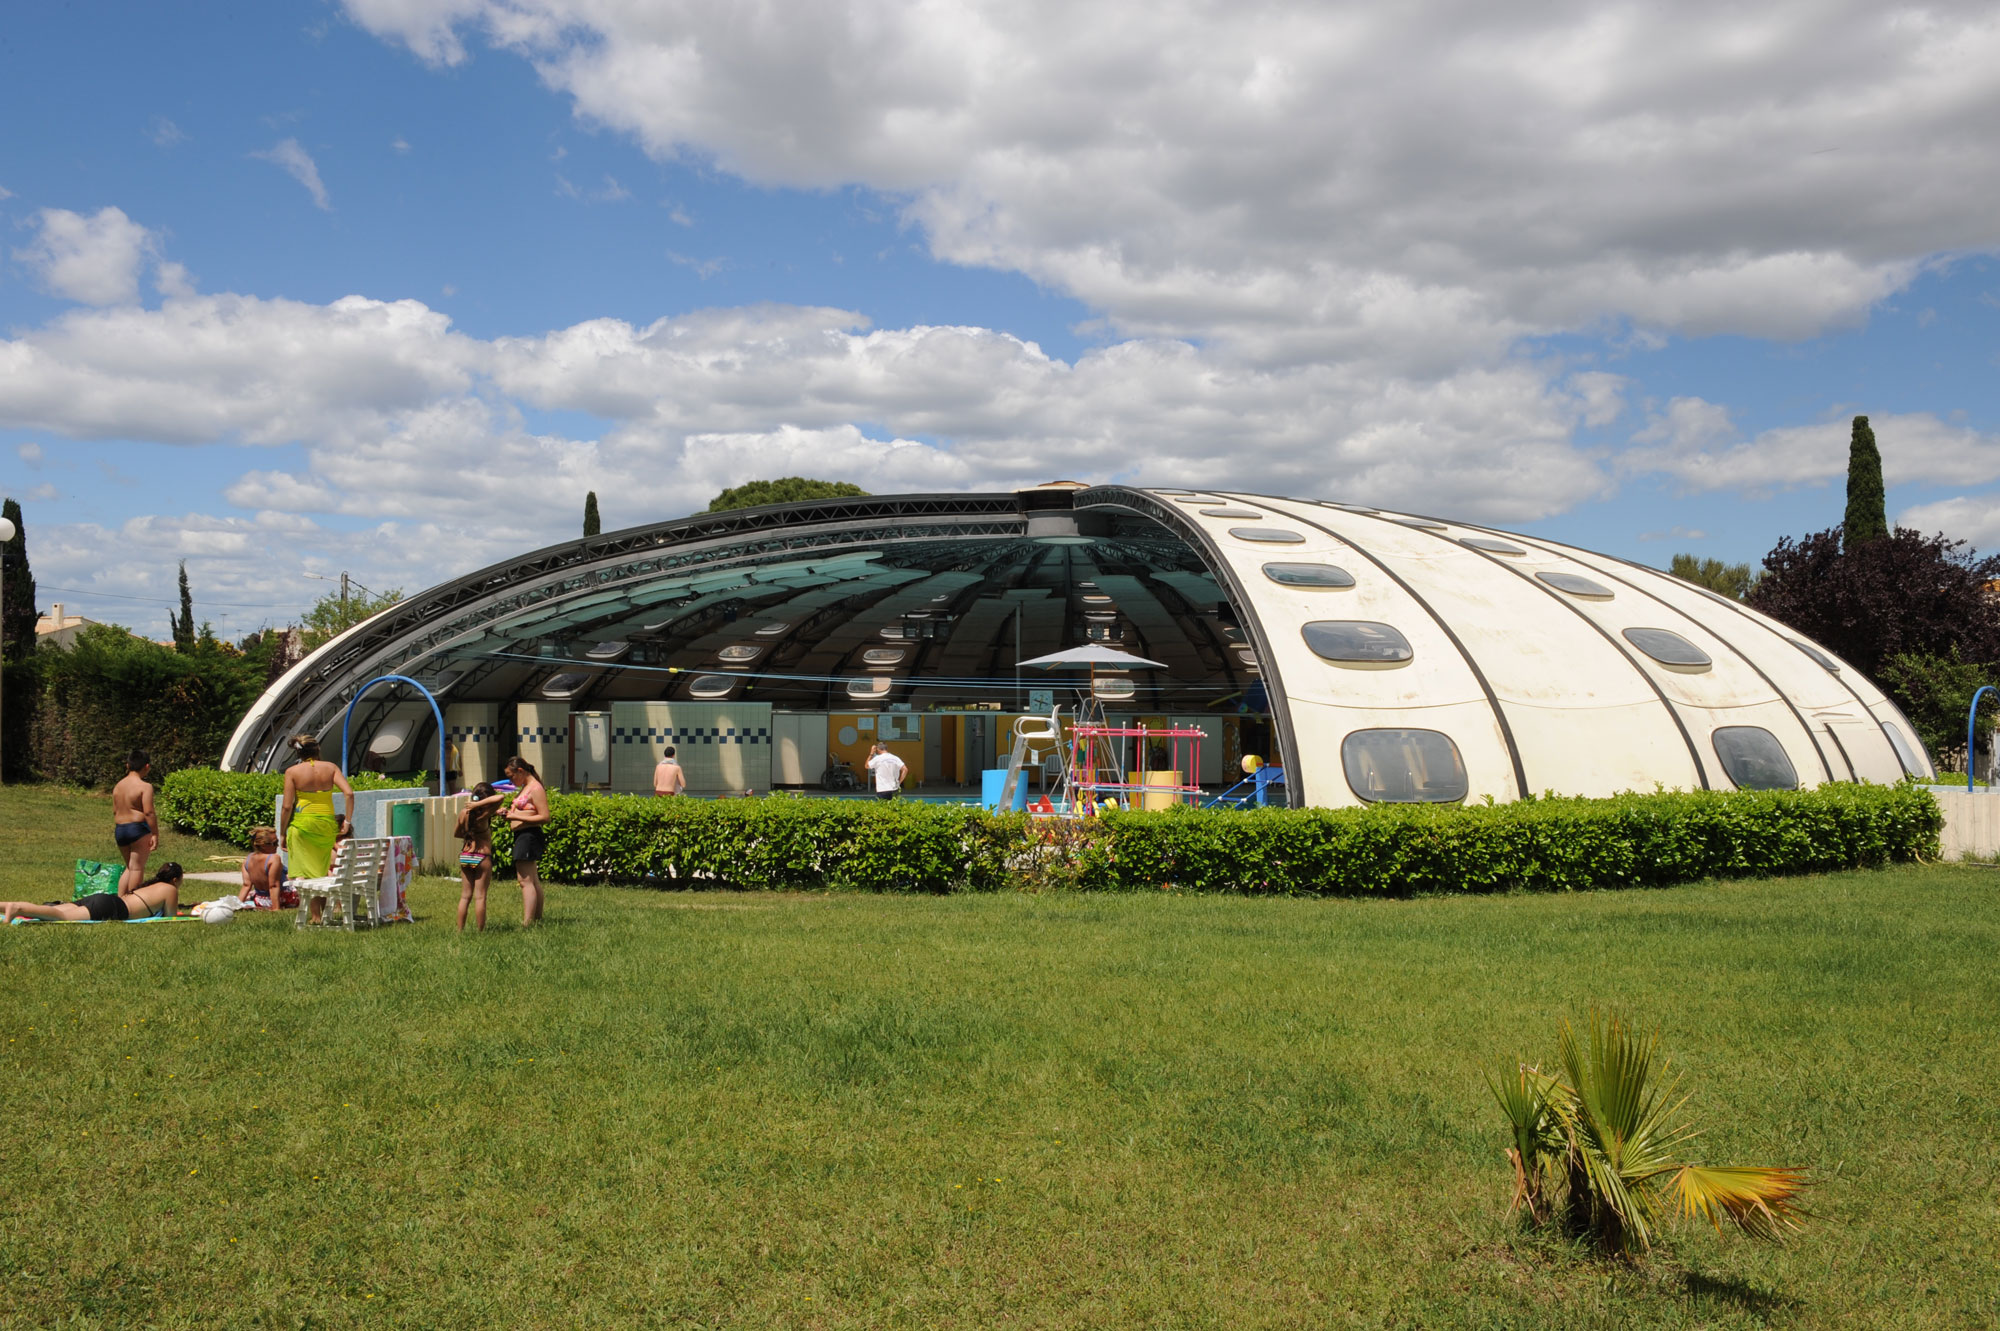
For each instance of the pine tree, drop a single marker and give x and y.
(1867, 505)
(17, 613)
(591, 526)
(183, 623)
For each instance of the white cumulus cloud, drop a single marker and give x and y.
(1695, 442)
(291, 157)
(95, 260)
(1419, 183)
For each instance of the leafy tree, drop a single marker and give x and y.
(1904, 593)
(1936, 691)
(17, 613)
(183, 623)
(1867, 512)
(786, 490)
(334, 614)
(591, 525)
(1731, 580)
(114, 691)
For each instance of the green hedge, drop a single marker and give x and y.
(783, 843)
(1545, 845)
(226, 805)
(789, 843)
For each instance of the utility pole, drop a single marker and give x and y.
(344, 621)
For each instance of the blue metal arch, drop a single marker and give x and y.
(348, 716)
(1971, 716)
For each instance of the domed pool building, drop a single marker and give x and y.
(1377, 655)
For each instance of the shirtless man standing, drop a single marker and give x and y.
(133, 822)
(668, 778)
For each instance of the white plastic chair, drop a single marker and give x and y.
(355, 884)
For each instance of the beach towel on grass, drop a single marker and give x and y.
(150, 919)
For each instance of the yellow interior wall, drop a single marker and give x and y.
(910, 750)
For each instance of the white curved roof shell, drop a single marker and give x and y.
(1443, 661)
(1539, 689)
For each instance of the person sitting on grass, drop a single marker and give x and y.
(158, 896)
(263, 870)
(475, 854)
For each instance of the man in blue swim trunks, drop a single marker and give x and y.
(133, 822)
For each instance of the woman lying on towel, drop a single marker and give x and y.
(158, 896)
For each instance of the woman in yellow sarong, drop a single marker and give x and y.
(308, 822)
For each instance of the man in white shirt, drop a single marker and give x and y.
(888, 770)
(668, 778)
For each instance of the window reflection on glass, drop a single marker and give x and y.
(1668, 648)
(1754, 759)
(1361, 641)
(1905, 753)
(1404, 767)
(1269, 535)
(1309, 575)
(1577, 585)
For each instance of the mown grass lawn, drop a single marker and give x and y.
(855, 1111)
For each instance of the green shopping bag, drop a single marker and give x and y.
(92, 877)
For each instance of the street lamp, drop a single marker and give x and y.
(6, 535)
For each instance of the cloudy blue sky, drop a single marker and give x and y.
(386, 285)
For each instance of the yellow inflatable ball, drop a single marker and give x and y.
(1251, 762)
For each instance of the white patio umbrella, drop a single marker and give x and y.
(1093, 657)
(1090, 658)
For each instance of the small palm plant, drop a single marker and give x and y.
(1597, 1149)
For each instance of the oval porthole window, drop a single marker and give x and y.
(1754, 759)
(608, 651)
(771, 630)
(1492, 545)
(1831, 666)
(876, 687)
(1354, 508)
(1194, 499)
(1096, 598)
(1404, 767)
(739, 653)
(1268, 535)
(1907, 756)
(1113, 690)
(1421, 524)
(712, 686)
(884, 656)
(566, 685)
(1309, 575)
(1577, 585)
(1669, 648)
(1357, 642)
(1246, 655)
(1250, 513)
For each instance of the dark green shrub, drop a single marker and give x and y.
(113, 692)
(777, 844)
(1536, 845)
(1543, 845)
(226, 805)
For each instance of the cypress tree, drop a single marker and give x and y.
(183, 623)
(1867, 505)
(17, 613)
(591, 526)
